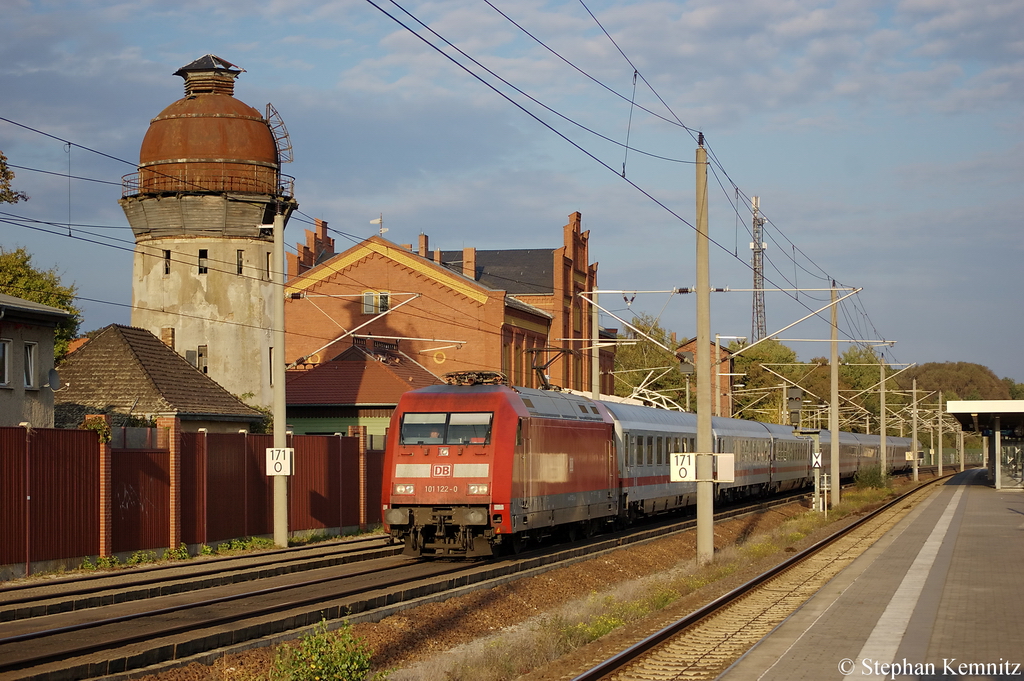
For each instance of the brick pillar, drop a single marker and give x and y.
(173, 426)
(360, 432)
(106, 502)
(469, 263)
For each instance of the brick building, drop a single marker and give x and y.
(722, 363)
(458, 310)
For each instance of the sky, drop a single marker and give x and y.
(884, 140)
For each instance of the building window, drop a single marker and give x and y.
(266, 270)
(202, 261)
(5, 356)
(238, 261)
(30, 365)
(375, 302)
(167, 262)
(201, 355)
(271, 365)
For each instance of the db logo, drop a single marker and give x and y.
(442, 470)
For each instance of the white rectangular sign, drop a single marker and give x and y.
(683, 468)
(725, 467)
(280, 460)
(816, 460)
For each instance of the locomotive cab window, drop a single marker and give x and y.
(460, 428)
(424, 429)
(472, 428)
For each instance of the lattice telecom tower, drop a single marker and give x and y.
(758, 326)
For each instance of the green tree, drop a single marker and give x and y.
(761, 398)
(1015, 389)
(959, 381)
(646, 365)
(19, 278)
(7, 192)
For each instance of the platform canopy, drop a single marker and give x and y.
(979, 415)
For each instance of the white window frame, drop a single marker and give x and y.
(5, 362)
(375, 302)
(31, 361)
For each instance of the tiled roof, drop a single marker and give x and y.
(124, 369)
(359, 376)
(524, 271)
(526, 307)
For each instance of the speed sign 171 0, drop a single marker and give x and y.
(279, 460)
(684, 467)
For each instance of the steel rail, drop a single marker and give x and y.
(110, 644)
(150, 574)
(637, 650)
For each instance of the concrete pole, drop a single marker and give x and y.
(960, 447)
(705, 438)
(833, 411)
(939, 418)
(997, 454)
(913, 415)
(882, 453)
(277, 373)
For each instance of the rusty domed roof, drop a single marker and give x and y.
(208, 140)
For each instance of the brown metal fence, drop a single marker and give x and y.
(140, 499)
(50, 493)
(51, 498)
(13, 504)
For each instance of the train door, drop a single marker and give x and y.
(523, 483)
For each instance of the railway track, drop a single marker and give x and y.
(703, 644)
(35, 597)
(99, 625)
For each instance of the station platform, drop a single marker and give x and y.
(940, 596)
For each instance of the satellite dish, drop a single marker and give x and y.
(54, 380)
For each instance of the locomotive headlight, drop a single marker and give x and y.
(479, 488)
(404, 489)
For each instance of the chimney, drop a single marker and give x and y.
(424, 245)
(167, 336)
(437, 255)
(469, 263)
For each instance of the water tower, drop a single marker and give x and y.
(200, 205)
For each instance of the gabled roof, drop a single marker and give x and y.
(128, 370)
(359, 376)
(523, 271)
(375, 245)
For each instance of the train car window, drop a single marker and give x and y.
(660, 443)
(423, 429)
(583, 408)
(630, 449)
(650, 450)
(473, 428)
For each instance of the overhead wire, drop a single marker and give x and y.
(716, 162)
